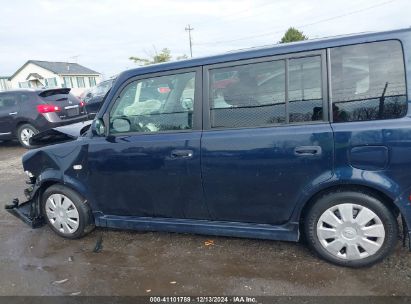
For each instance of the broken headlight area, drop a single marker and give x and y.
(31, 180)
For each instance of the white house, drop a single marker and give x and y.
(38, 74)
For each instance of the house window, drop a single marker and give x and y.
(80, 82)
(92, 81)
(68, 83)
(24, 84)
(51, 82)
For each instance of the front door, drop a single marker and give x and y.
(149, 165)
(8, 111)
(268, 137)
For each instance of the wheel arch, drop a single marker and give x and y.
(385, 199)
(18, 125)
(50, 182)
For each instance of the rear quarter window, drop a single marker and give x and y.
(368, 82)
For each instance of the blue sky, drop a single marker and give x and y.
(103, 34)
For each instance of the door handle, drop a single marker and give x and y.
(181, 154)
(307, 150)
(13, 113)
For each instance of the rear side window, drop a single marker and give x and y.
(305, 89)
(8, 101)
(248, 95)
(368, 82)
(256, 94)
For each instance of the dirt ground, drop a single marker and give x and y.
(38, 262)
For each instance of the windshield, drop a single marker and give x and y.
(102, 88)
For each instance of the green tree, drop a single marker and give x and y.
(163, 56)
(292, 34)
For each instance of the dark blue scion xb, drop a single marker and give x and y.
(310, 138)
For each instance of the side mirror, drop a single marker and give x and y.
(99, 127)
(121, 125)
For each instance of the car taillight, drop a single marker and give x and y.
(47, 108)
(163, 90)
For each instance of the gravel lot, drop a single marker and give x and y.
(38, 262)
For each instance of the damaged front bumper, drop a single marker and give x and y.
(29, 211)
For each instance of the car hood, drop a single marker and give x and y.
(60, 134)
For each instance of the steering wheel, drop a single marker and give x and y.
(140, 124)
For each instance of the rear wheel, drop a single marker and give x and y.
(352, 229)
(66, 212)
(24, 133)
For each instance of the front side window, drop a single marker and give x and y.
(163, 103)
(368, 82)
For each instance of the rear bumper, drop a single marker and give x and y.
(69, 121)
(46, 123)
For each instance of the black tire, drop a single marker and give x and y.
(85, 221)
(20, 131)
(358, 197)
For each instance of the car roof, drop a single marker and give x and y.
(31, 90)
(271, 50)
(19, 91)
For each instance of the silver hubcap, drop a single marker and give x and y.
(62, 213)
(25, 135)
(350, 231)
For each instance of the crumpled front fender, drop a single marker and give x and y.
(64, 163)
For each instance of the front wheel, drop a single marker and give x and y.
(66, 212)
(353, 229)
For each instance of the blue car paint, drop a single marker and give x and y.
(142, 177)
(254, 176)
(200, 205)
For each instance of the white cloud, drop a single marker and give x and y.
(106, 32)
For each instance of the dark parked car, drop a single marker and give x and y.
(93, 97)
(311, 138)
(26, 112)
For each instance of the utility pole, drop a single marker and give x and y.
(189, 29)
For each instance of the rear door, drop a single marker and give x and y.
(267, 136)
(9, 108)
